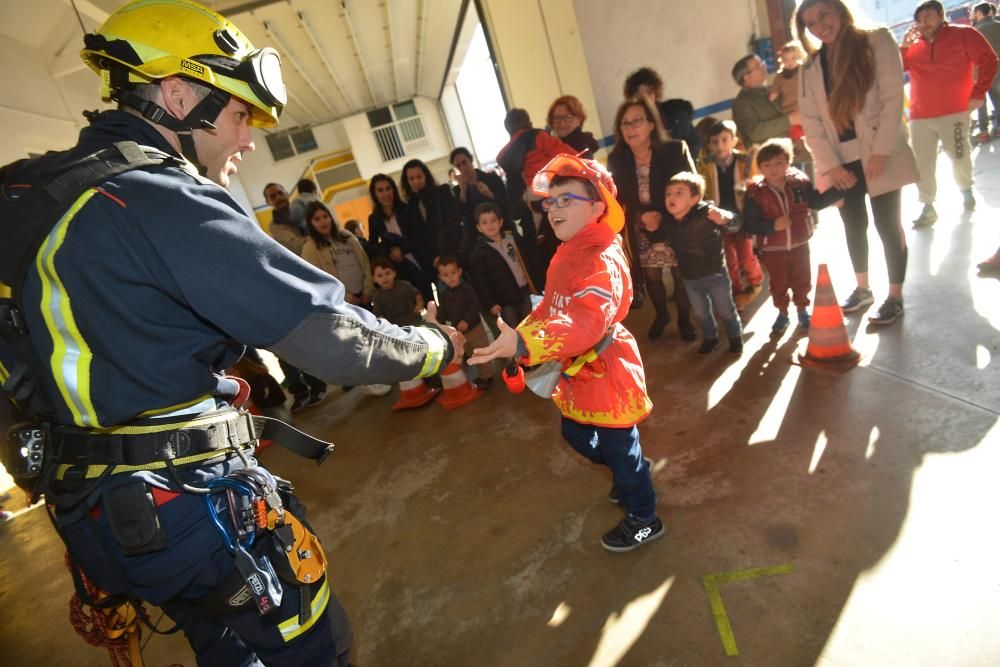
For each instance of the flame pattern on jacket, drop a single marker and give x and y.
(588, 293)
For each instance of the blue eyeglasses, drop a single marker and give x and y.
(563, 200)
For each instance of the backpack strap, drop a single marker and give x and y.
(35, 195)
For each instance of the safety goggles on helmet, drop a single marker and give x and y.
(571, 166)
(261, 70)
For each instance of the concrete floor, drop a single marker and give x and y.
(471, 538)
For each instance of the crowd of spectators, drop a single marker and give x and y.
(831, 121)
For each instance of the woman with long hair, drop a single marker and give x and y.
(852, 113)
(642, 162)
(338, 253)
(566, 117)
(432, 209)
(393, 236)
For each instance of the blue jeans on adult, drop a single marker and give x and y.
(619, 450)
(712, 294)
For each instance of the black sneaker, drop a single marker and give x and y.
(890, 311)
(736, 345)
(688, 334)
(631, 534)
(613, 493)
(315, 397)
(708, 345)
(299, 402)
(483, 383)
(659, 324)
(859, 298)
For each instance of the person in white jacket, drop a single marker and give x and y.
(852, 113)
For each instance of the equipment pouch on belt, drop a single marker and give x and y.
(134, 519)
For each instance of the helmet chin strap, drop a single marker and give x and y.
(201, 117)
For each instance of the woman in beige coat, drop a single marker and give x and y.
(337, 252)
(851, 103)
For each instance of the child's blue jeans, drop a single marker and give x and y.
(711, 294)
(618, 449)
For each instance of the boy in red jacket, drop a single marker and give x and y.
(587, 295)
(777, 209)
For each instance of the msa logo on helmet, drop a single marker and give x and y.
(193, 68)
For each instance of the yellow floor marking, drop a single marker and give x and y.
(711, 583)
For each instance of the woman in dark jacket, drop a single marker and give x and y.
(475, 187)
(393, 236)
(566, 117)
(642, 163)
(432, 209)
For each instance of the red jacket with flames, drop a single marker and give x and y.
(587, 295)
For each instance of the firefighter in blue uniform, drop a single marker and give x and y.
(148, 285)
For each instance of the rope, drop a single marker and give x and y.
(115, 628)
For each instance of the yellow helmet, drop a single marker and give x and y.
(146, 40)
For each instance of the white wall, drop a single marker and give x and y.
(693, 46)
(259, 168)
(366, 153)
(454, 116)
(239, 193)
(28, 132)
(541, 55)
(35, 114)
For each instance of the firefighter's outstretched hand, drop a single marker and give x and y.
(504, 347)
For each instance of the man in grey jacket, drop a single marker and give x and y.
(757, 118)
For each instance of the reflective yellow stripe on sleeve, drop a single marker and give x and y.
(291, 628)
(435, 353)
(71, 356)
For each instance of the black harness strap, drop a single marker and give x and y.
(29, 213)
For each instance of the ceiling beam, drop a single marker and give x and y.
(66, 64)
(89, 9)
(422, 21)
(391, 43)
(326, 61)
(229, 12)
(357, 51)
(290, 55)
(454, 45)
(302, 105)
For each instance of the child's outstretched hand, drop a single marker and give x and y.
(504, 347)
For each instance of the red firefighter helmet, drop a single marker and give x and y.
(588, 170)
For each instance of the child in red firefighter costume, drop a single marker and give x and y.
(587, 295)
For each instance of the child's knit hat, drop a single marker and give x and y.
(588, 170)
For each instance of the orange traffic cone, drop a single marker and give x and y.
(457, 389)
(829, 346)
(413, 394)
